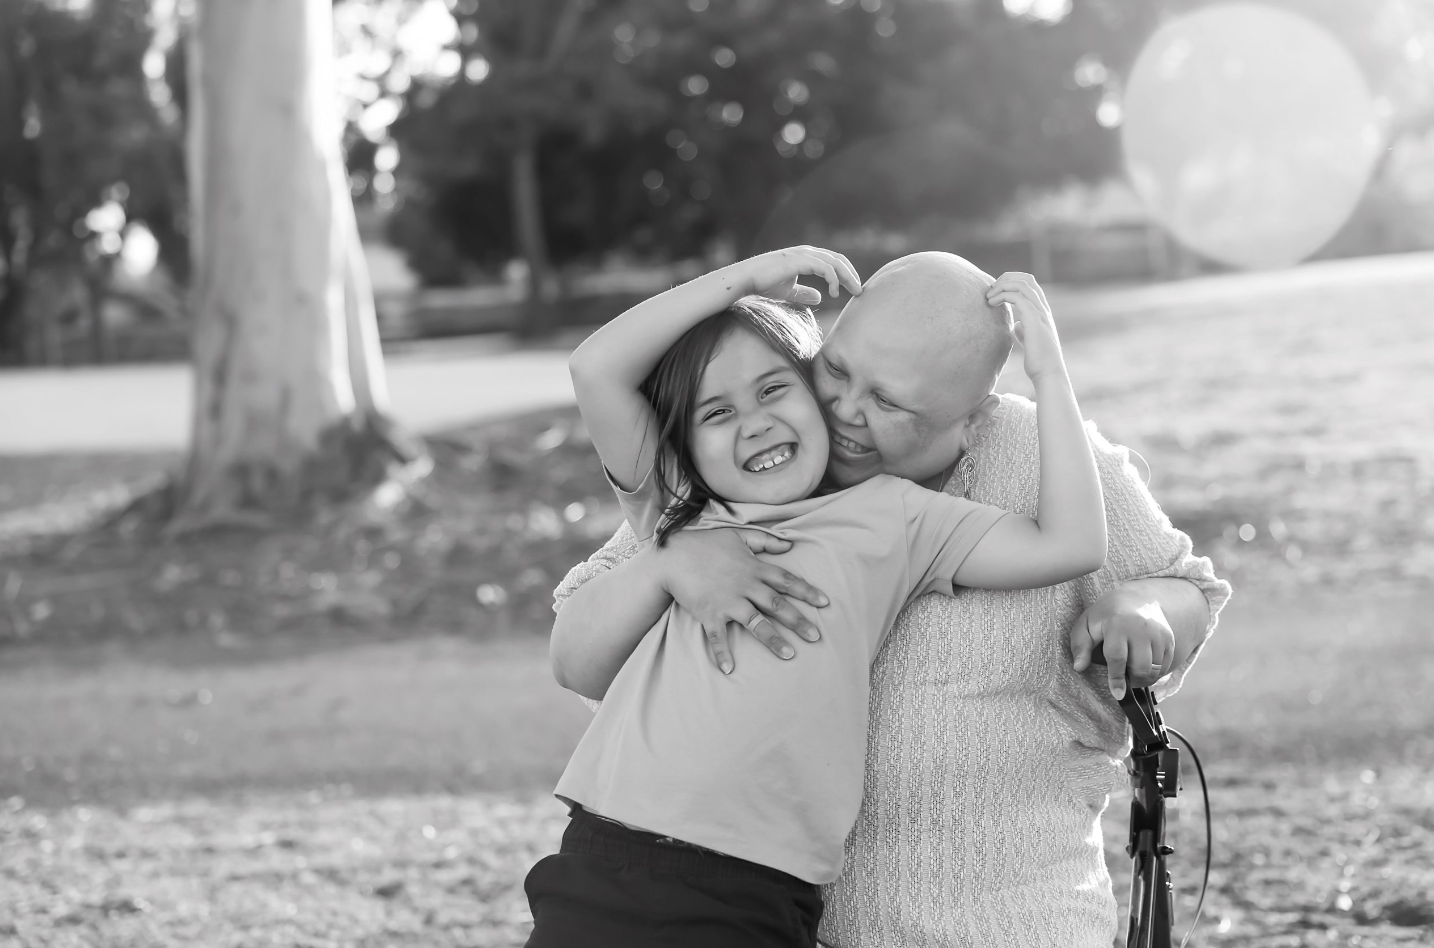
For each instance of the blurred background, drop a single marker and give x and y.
(317, 710)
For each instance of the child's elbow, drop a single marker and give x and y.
(1091, 555)
(580, 365)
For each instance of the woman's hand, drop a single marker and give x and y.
(775, 274)
(714, 575)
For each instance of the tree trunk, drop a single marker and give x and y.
(543, 291)
(12, 325)
(96, 277)
(12, 143)
(288, 377)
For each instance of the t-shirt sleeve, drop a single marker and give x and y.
(642, 506)
(941, 531)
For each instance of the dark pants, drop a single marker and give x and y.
(612, 886)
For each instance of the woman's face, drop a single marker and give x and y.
(757, 431)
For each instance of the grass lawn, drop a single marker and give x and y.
(326, 738)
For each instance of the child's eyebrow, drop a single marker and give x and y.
(720, 396)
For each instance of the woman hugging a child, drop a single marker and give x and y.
(707, 809)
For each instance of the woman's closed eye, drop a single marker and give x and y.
(833, 370)
(884, 402)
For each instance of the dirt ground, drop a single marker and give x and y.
(331, 736)
(395, 792)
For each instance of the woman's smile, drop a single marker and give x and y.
(850, 446)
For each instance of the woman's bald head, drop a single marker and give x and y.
(934, 305)
(906, 374)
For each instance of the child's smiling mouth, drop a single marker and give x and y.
(769, 459)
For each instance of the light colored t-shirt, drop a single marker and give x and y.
(766, 763)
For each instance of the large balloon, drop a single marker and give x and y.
(1249, 132)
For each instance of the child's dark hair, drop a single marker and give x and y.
(671, 389)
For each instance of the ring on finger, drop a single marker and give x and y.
(753, 622)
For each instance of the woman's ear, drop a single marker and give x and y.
(976, 421)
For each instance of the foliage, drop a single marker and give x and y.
(78, 128)
(668, 125)
(674, 125)
(878, 112)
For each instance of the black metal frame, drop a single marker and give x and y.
(1154, 778)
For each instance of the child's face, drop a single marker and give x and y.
(757, 432)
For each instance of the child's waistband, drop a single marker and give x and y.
(596, 835)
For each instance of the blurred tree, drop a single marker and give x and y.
(532, 72)
(290, 402)
(78, 131)
(669, 125)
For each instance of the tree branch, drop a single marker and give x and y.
(566, 32)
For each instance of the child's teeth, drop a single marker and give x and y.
(782, 457)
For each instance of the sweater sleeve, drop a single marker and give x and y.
(1143, 544)
(620, 548)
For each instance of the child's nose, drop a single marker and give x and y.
(756, 423)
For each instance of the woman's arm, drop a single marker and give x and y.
(602, 622)
(1067, 537)
(608, 369)
(713, 574)
(1154, 596)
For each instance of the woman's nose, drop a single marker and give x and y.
(844, 410)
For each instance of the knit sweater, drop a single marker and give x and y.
(989, 759)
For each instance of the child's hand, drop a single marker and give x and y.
(775, 274)
(1035, 325)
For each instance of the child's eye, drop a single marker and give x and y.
(715, 414)
(777, 387)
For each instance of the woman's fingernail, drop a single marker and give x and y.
(787, 651)
(822, 599)
(726, 668)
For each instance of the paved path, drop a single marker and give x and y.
(441, 383)
(435, 385)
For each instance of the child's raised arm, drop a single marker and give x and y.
(608, 369)
(1067, 538)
